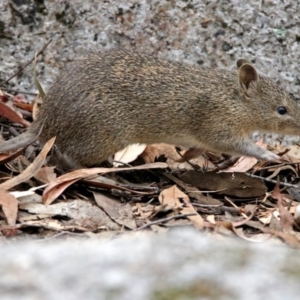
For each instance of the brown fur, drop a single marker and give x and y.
(105, 101)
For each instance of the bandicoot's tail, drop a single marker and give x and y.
(18, 142)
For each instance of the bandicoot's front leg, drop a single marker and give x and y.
(190, 154)
(249, 148)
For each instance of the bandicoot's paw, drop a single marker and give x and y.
(270, 156)
(190, 154)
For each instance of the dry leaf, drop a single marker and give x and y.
(25, 106)
(5, 158)
(297, 215)
(174, 160)
(154, 151)
(266, 220)
(9, 206)
(82, 213)
(31, 170)
(51, 224)
(289, 238)
(30, 192)
(56, 187)
(232, 184)
(294, 153)
(128, 154)
(193, 192)
(8, 113)
(257, 238)
(38, 101)
(211, 219)
(45, 174)
(286, 218)
(240, 223)
(108, 184)
(33, 198)
(277, 170)
(244, 164)
(119, 212)
(172, 196)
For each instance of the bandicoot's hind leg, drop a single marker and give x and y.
(62, 161)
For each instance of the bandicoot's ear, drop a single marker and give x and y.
(242, 61)
(247, 74)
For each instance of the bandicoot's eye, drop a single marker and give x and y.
(281, 110)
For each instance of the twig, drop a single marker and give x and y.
(236, 207)
(59, 234)
(279, 165)
(274, 181)
(165, 220)
(207, 205)
(28, 63)
(18, 91)
(122, 163)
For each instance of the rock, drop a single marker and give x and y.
(182, 264)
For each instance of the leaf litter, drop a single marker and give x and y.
(222, 196)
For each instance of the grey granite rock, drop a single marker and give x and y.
(211, 33)
(182, 264)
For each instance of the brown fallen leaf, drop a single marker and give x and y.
(233, 184)
(257, 238)
(45, 174)
(51, 224)
(174, 160)
(194, 192)
(239, 223)
(38, 101)
(297, 215)
(5, 158)
(109, 184)
(277, 170)
(128, 154)
(9, 206)
(286, 218)
(56, 187)
(172, 196)
(121, 213)
(169, 198)
(8, 113)
(81, 213)
(154, 151)
(266, 218)
(294, 153)
(243, 164)
(31, 170)
(25, 106)
(3, 97)
(289, 238)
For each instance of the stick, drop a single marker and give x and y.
(28, 63)
(165, 220)
(274, 181)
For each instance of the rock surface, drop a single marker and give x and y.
(210, 33)
(182, 264)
